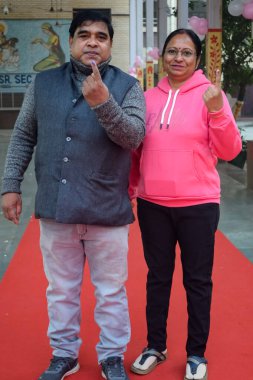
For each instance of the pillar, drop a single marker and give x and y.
(139, 27)
(133, 32)
(162, 23)
(214, 37)
(150, 23)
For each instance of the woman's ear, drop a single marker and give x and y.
(197, 63)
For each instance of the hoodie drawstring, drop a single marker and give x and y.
(172, 108)
(166, 106)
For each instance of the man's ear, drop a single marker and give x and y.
(70, 41)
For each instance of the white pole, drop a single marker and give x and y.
(133, 32)
(214, 38)
(173, 19)
(139, 28)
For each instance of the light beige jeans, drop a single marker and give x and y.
(65, 248)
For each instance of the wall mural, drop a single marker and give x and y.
(28, 47)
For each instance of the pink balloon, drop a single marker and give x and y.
(194, 22)
(154, 53)
(202, 31)
(138, 61)
(202, 27)
(248, 11)
(132, 70)
(203, 22)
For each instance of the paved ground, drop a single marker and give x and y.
(9, 233)
(236, 207)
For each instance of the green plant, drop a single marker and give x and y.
(241, 158)
(244, 141)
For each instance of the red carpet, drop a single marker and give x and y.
(24, 346)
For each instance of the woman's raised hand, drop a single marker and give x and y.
(213, 95)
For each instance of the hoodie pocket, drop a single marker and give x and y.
(168, 173)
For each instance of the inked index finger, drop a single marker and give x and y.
(217, 78)
(95, 71)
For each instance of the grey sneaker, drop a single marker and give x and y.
(59, 368)
(113, 369)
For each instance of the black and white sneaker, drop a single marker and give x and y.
(148, 360)
(196, 368)
(113, 369)
(60, 368)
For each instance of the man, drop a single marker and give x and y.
(84, 118)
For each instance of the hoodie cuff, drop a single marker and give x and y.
(217, 114)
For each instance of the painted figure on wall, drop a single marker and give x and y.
(56, 56)
(9, 55)
(2, 33)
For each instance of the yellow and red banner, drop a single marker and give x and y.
(213, 52)
(140, 75)
(150, 71)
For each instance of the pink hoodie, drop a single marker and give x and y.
(176, 164)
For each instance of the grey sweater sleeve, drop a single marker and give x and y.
(125, 124)
(21, 146)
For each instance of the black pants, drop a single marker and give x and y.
(193, 228)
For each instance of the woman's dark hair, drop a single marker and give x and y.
(193, 36)
(89, 15)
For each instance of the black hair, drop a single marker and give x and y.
(89, 15)
(193, 36)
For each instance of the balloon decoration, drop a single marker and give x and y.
(248, 11)
(153, 53)
(137, 69)
(132, 71)
(138, 61)
(241, 8)
(199, 26)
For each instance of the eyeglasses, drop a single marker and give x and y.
(185, 53)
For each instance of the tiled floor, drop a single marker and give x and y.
(236, 207)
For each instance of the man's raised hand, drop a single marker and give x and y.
(94, 90)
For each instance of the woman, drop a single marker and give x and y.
(174, 176)
(56, 56)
